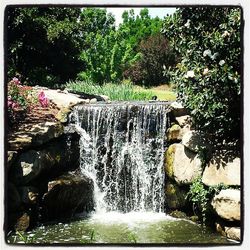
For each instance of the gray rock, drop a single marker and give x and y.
(184, 120)
(175, 196)
(194, 141)
(58, 156)
(174, 133)
(178, 109)
(181, 164)
(13, 199)
(11, 157)
(35, 136)
(93, 101)
(222, 170)
(67, 195)
(28, 194)
(105, 97)
(227, 204)
(233, 233)
(62, 99)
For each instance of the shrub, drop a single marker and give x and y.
(156, 54)
(21, 99)
(208, 74)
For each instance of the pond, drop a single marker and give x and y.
(122, 228)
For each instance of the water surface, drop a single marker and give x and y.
(119, 228)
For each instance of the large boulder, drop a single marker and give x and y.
(227, 204)
(174, 133)
(182, 165)
(175, 196)
(222, 170)
(57, 157)
(34, 135)
(184, 120)
(177, 109)
(194, 141)
(68, 194)
(233, 233)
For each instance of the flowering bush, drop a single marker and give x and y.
(21, 99)
(207, 76)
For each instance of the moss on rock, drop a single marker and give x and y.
(169, 160)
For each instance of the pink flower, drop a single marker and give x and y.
(43, 99)
(14, 105)
(16, 81)
(9, 102)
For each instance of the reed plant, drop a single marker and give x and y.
(124, 91)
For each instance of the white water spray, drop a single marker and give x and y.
(122, 150)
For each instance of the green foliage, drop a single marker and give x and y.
(108, 51)
(26, 239)
(200, 195)
(207, 76)
(116, 92)
(156, 55)
(43, 44)
(132, 237)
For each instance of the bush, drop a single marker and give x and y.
(21, 99)
(156, 54)
(208, 74)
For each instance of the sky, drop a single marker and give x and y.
(153, 12)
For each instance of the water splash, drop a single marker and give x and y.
(122, 150)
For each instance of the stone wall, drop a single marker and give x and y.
(183, 164)
(43, 179)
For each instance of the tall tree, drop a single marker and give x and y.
(43, 44)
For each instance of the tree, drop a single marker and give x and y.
(208, 76)
(156, 54)
(43, 44)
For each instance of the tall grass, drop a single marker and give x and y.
(116, 92)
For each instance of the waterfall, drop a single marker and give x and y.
(122, 150)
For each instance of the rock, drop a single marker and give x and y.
(222, 170)
(227, 204)
(181, 164)
(195, 141)
(13, 199)
(174, 133)
(62, 99)
(233, 233)
(28, 194)
(184, 120)
(178, 109)
(62, 115)
(67, 195)
(175, 196)
(11, 157)
(93, 101)
(58, 156)
(37, 135)
(178, 214)
(23, 223)
(105, 97)
(220, 229)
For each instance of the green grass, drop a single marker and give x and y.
(122, 91)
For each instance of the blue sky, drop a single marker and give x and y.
(153, 12)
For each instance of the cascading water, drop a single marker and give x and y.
(122, 150)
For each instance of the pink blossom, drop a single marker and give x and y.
(43, 99)
(16, 81)
(14, 105)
